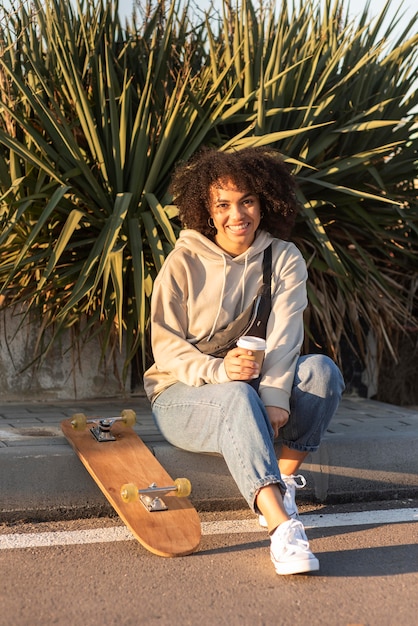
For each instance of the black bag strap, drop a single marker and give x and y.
(267, 271)
(263, 307)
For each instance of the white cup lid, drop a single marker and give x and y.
(251, 343)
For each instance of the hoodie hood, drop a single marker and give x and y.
(199, 244)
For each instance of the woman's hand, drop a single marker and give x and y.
(239, 365)
(278, 418)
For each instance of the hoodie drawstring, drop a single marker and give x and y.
(243, 283)
(223, 292)
(220, 302)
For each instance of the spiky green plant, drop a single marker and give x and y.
(94, 117)
(351, 94)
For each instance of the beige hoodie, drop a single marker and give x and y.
(201, 289)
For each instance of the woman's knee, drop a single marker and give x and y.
(241, 392)
(319, 375)
(246, 408)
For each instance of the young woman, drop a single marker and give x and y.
(233, 206)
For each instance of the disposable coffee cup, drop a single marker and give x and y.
(257, 345)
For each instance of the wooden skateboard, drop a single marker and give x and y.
(153, 506)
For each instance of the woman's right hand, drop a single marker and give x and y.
(238, 367)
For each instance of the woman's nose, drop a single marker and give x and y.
(236, 210)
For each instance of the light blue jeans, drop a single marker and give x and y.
(230, 419)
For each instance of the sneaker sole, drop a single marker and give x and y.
(297, 567)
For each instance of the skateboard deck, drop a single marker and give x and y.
(125, 465)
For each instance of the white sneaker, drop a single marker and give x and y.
(289, 498)
(290, 551)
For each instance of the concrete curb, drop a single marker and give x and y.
(370, 452)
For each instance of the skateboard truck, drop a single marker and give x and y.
(101, 431)
(150, 497)
(151, 501)
(102, 426)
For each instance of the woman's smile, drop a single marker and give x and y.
(239, 228)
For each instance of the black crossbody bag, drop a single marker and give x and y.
(252, 321)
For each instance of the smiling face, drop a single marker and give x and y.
(236, 217)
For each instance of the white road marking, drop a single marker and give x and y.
(64, 538)
(318, 520)
(223, 527)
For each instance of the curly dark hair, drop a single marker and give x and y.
(258, 170)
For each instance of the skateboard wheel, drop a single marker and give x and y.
(128, 417)
(184, 487)
(79, 421)
(129, 492)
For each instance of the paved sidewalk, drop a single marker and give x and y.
(369, 452)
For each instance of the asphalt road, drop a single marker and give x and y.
(56, 573)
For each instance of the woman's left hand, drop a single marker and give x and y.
(238, 367)
(278, 418)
